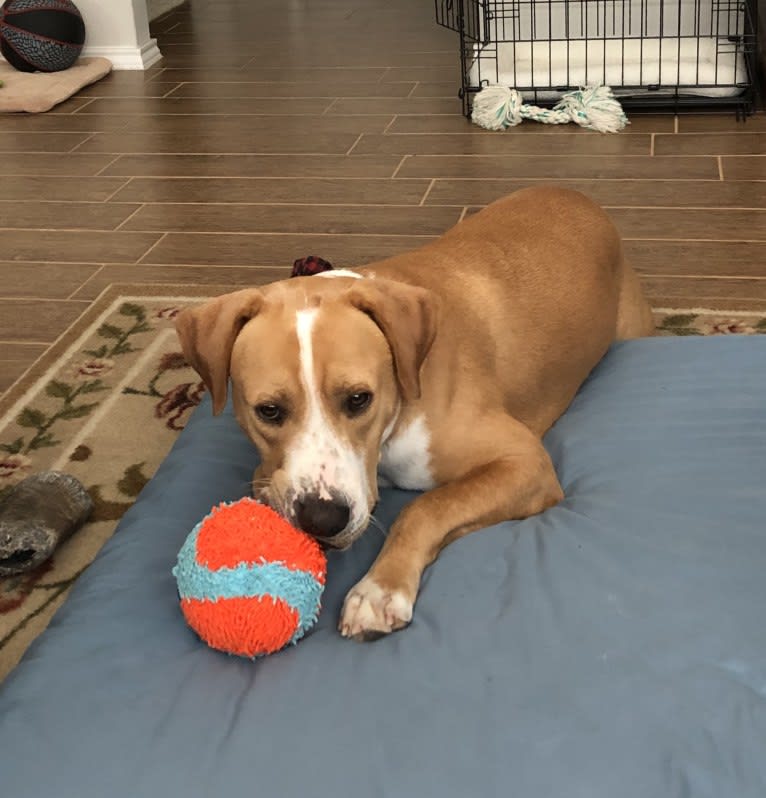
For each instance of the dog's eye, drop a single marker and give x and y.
(270, 413)
(358, 402)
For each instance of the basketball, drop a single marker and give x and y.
(41, 35)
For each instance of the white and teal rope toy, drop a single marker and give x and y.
(595, 108)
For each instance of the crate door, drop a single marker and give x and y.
(468, 17)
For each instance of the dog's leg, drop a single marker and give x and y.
(634, 314)
(516, 483)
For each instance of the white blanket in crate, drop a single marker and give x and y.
(703, 67)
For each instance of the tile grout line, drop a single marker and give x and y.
(349, 203)
(351, 149)
(393, 119)
(182, 83)
(183, 264)
(399, 166)
(271, 232)
(299, 204)
(457, 179)
(25, 342)
(675, 208)
(412, 90)
(216, 115)
(126, 220)
(651, 145)
(154, 77)
(315, 233)
(324, 234)
(463, 213)
(238, 154)
(168, 95)
(80, 143)
(719, 158)
(428, 191)
(552, 135)
(664, 276)
(327, 110)
(84, 105)
(151, 248)
(117, 190)
(31, 297)
(675, 123)
(83, 284)
(759, 241)
(104, 168)
(525, 154)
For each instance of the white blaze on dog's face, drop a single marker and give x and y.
(316, 403)
(319, 370)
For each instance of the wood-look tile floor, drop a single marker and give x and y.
(276, 129)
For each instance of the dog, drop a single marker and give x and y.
(438, 370)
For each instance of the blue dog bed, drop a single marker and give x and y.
(612, 646)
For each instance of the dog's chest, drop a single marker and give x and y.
(405, 460)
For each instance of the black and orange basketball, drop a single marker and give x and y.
(41, 35)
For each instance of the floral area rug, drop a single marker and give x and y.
(109, 409)
(709, 322)
(107, 413)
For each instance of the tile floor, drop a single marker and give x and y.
(277, 128)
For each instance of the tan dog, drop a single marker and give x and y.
(438, 370)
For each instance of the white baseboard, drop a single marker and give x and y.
(128, 57)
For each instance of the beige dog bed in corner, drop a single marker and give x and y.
(35, 92)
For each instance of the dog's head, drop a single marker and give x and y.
(319, 371)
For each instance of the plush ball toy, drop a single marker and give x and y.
(248, 581)
(41, 35)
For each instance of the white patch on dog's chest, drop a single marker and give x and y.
(405, 459)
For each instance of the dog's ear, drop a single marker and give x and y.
(207, 333)
(408, 316)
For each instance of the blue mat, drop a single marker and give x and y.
(614, 646)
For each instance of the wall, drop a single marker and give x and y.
(119, 30)
(159, 7)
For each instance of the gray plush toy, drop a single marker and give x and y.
(36, 516)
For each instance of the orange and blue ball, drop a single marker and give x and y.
(249, 583)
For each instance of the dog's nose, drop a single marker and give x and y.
(321, 517)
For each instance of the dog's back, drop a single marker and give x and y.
(531, 298)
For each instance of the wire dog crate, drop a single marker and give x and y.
(653, 53)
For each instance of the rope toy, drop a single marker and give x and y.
(313, 264)
(594, 108)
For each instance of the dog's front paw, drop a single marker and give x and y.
(370, 611)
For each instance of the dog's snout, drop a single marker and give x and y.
(321, 517)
